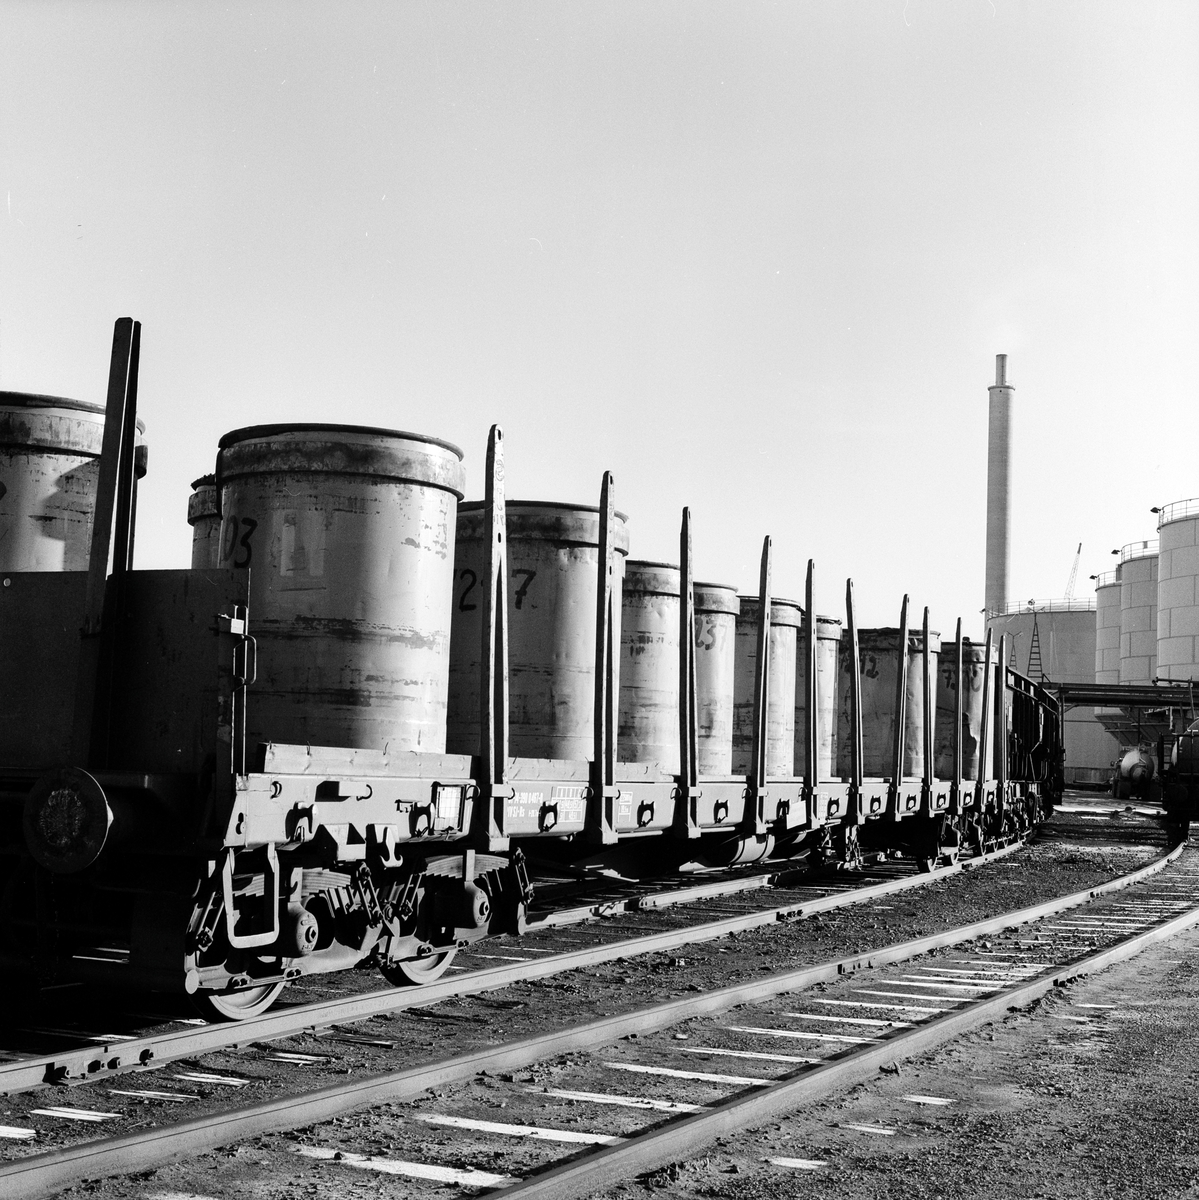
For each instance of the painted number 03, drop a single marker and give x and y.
(237, 549)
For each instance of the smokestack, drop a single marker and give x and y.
(999, 480)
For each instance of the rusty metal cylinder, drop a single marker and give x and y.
(348, 534)
(553, 563)
(649, 665)
(828, 641)
(716, 609)
(203, 515)
(973, 659)
(49, 472)
(878, 665)
(786, 618)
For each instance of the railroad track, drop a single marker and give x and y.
(688, 1073)
(96, 1056)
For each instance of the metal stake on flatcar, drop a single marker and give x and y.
(955, 803)
(1001, 727)
(984, 736)
(493, 693)
(926, 784)
(901, 712)
(811, 696)
(686, 823)
(88, 671)
(601, 821)
(855, 713)
(756, 807)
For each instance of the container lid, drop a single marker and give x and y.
(651, 578)
(782, 611)
(546, 520)
(716, 598)
(35, 400)
(203, 481)
(358, 450)
(887, 638)
(39, 431)
(255, 432)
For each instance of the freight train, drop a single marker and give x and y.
(343, 735)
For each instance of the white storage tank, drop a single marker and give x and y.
(553, 573)
(1178, 591)
(49, 471)
(1107, 627)
(1138, 612)
(348, 535)
(716, 610)
(648, 729)
(785, 619)
(828, 641)
(203, 515)
(1065, 646)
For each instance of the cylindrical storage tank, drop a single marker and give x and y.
(828, 639)
(1178, 591)
(716, 609)
(49, 471)
(1138, 612)
(973, 658)
(553, 570)
(1107, 627)
(878, 667)
(649, 665)
(1063, 632)
(203, 516)
(785, 619)
(349, 536)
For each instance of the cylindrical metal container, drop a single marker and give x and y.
(649, 665)
(203, 515)
(1107, 627)
(1178, 591)
(553, 565)
(973, 658)
(349, 536)
(878, 665)
(49, 470)
(828, 639)
(716, 609)
(785, 619)
(1138, 612)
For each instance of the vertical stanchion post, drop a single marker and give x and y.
(811, 700)
(601, 822)
(984, 738)
(686, 818)
(102, 522)
(1001, 748)
(926, 786)
(855, 710)
(901, 709)
(493, 692)
(756, 810)
(959, 702)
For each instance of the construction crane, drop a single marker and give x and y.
(1073, 573)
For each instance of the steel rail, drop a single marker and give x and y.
(676, 1140)
(102, 1060)
(41, 1174)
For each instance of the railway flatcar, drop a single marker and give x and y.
(342, 736)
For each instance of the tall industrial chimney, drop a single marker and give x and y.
(999, 479)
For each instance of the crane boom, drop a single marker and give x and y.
(1073, 573)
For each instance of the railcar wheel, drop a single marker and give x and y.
(414, 972)
(237, 1006)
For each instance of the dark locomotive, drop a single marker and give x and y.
(208, 785)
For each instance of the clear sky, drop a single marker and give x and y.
(755, 258)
